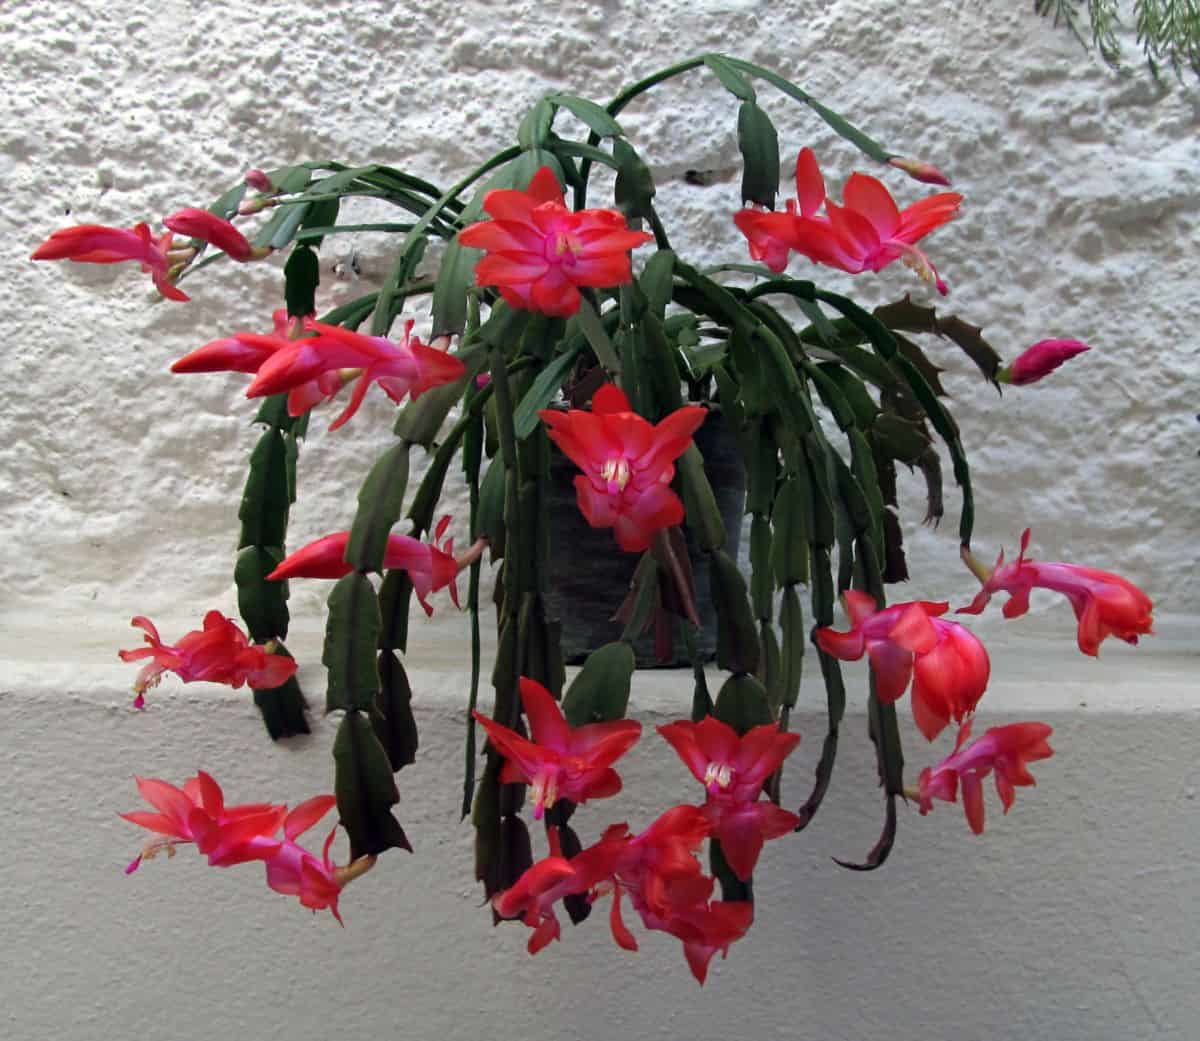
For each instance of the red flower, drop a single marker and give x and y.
(772, 235)
(627, 464)
(98, 244)
(539, 252)
(246, 352)
(218, 653)
(950, 665)
(733, 770)
(533, 896)
(867, 233)
(710, 928)
(201, 224)
(1105, 604)
(1039, 360)
(197, 813)
(1006, 750)
(430, 566)
(408, 368)
(560, 762)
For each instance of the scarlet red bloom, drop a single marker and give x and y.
(1039, 360)
(246, 352)
(408, 368)
(533, 896)
(627, 463)
(950, 665)
(733, 770)
(561, 762)
(1105, 604)
(218, 653)
(710, 928)
(539, 252)
(867, 233)
(430, 566)
(1006, 750)
(201, 224)
(98, 244)
(196, 813)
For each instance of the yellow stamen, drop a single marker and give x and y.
(617, 471)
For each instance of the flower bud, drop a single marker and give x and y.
(1039, 360)
(259, 181)
(919, 170)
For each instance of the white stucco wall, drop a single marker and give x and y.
(1075, 918)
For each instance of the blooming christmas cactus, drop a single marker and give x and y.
(559, 326)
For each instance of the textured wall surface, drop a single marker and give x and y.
(119, 484)
(1081, 212)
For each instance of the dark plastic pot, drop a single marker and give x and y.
(590, 574)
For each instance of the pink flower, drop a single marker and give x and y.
(201, 224)
(948, 665)
(218, 653)
(733, 770)
(539, 253)
(627, 464)
(1040, 360)
(430, 566)
(294, 871)
(560, 762)
(1006, 750)
(196, 813)
(246, 352)
(866, 233)
(408, 368)
(98, 244)
(1105, 604)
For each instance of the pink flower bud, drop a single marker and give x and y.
(259, 181)
(919, 170)
(1040, 360)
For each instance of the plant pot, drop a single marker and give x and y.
(590, 574)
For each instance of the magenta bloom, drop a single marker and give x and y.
(947, 664)
(627, 462)
(1005, 750)
(1040, 360)
(430, 566)
(216, 231)
(733, 770)
(294, 871)
(561, 762)
(98, 244)
(539, 253)
(196, 813)
(408, 368)
(246, 352)
(866, 233)
(1105, 604)
(218, 653)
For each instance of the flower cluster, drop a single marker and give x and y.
(99, 244)
(656, 868)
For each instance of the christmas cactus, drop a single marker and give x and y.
(558, 329)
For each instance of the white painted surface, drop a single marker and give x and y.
(1074, 918)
